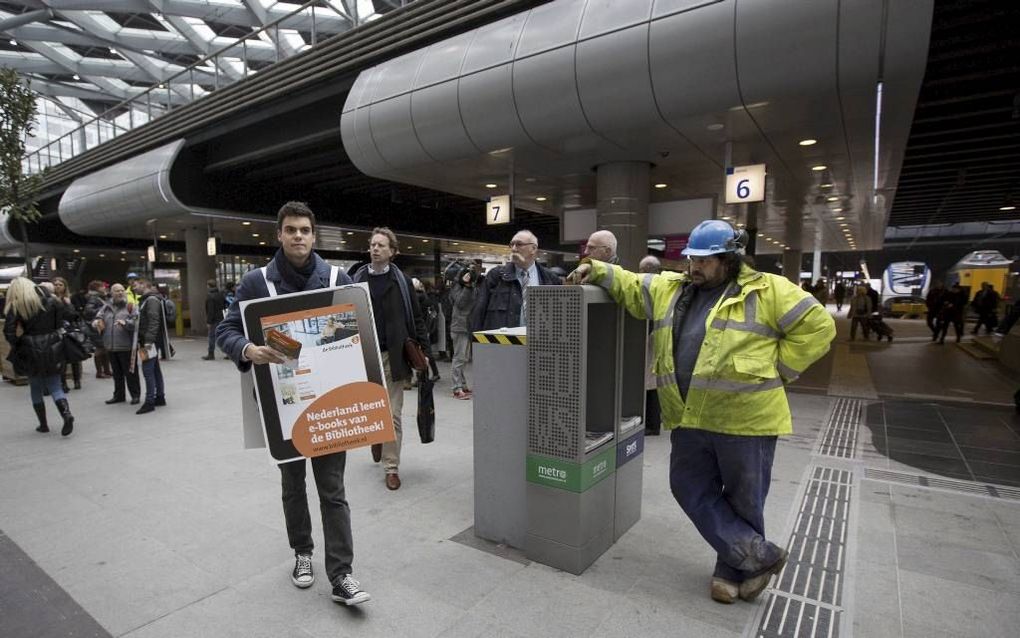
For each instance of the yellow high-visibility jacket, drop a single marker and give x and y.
(762, 333)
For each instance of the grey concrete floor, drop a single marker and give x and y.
(162, 525)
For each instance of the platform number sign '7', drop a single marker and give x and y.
(498, 210)
(745, 184)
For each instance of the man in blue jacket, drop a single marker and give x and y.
(501, 301)
(296, 268)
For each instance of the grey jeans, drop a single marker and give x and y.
(336, 514)
(461, 354)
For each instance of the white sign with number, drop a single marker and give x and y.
(497, 211)
(745, 184)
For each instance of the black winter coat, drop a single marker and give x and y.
(392, 308)
(215, 306)
(499, 300)
(151, 324)
(39, 351)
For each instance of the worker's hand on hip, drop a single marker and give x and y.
(580, 275)
(262, 354)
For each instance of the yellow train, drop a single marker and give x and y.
(979, 267)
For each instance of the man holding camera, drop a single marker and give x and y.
(463, 296)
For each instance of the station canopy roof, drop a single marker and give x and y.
(85, 57)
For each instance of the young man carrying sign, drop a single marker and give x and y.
(296, 268)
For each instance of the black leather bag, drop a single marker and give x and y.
(415, 356)
(77, 345)
(426, 409)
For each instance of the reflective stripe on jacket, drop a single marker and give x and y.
(763, 333)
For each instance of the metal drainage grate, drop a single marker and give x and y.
(840, 437)
(970, 487)
(795, 617)
(807, 596)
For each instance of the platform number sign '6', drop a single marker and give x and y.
(498, 210)
(745, 184)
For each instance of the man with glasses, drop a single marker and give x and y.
(602, 246)
(501, 302)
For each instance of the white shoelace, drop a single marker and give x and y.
(304, 565)
(350, 585)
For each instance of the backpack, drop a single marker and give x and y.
(170, 310)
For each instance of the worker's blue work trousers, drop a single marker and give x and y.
(721, 482)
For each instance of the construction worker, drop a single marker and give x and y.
(727, 339)
(133, 294)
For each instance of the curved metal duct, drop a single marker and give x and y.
(7, 240)
(587, 79)
(131, 191)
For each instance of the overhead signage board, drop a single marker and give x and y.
(745, 184)
(211, 245)
(498, 210)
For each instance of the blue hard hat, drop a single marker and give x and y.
(712, 237)
(132, 275)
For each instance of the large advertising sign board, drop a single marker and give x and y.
(329, 395)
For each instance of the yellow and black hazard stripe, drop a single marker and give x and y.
(503, 340)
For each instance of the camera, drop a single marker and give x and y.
(455, 272)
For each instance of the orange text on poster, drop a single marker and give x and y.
(348, 417)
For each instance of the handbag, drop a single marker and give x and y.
(426, 409)
(414, 355)
(77, 345)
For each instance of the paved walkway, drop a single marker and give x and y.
(161, 525)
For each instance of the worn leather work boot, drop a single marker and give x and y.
(40, 411)
(724, 591)
(65, 411)
(751, 588)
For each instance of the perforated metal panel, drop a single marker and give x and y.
(556, 364)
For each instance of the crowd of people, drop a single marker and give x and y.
(126, 327)
(949, 307)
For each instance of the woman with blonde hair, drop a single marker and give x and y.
(62, 292)
(32, 327)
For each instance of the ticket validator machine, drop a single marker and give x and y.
(585, 424)
(559, 427)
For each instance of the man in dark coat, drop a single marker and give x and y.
(397, 317)
(501, 302)
(215, 309)
(839, 293)
(151, 338)
(986, 305)
(933, 302)
(876, 302)
(296, 268)
(954, 303)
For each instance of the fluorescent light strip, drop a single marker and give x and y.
(878, 132)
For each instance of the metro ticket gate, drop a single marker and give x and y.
(566, 402)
